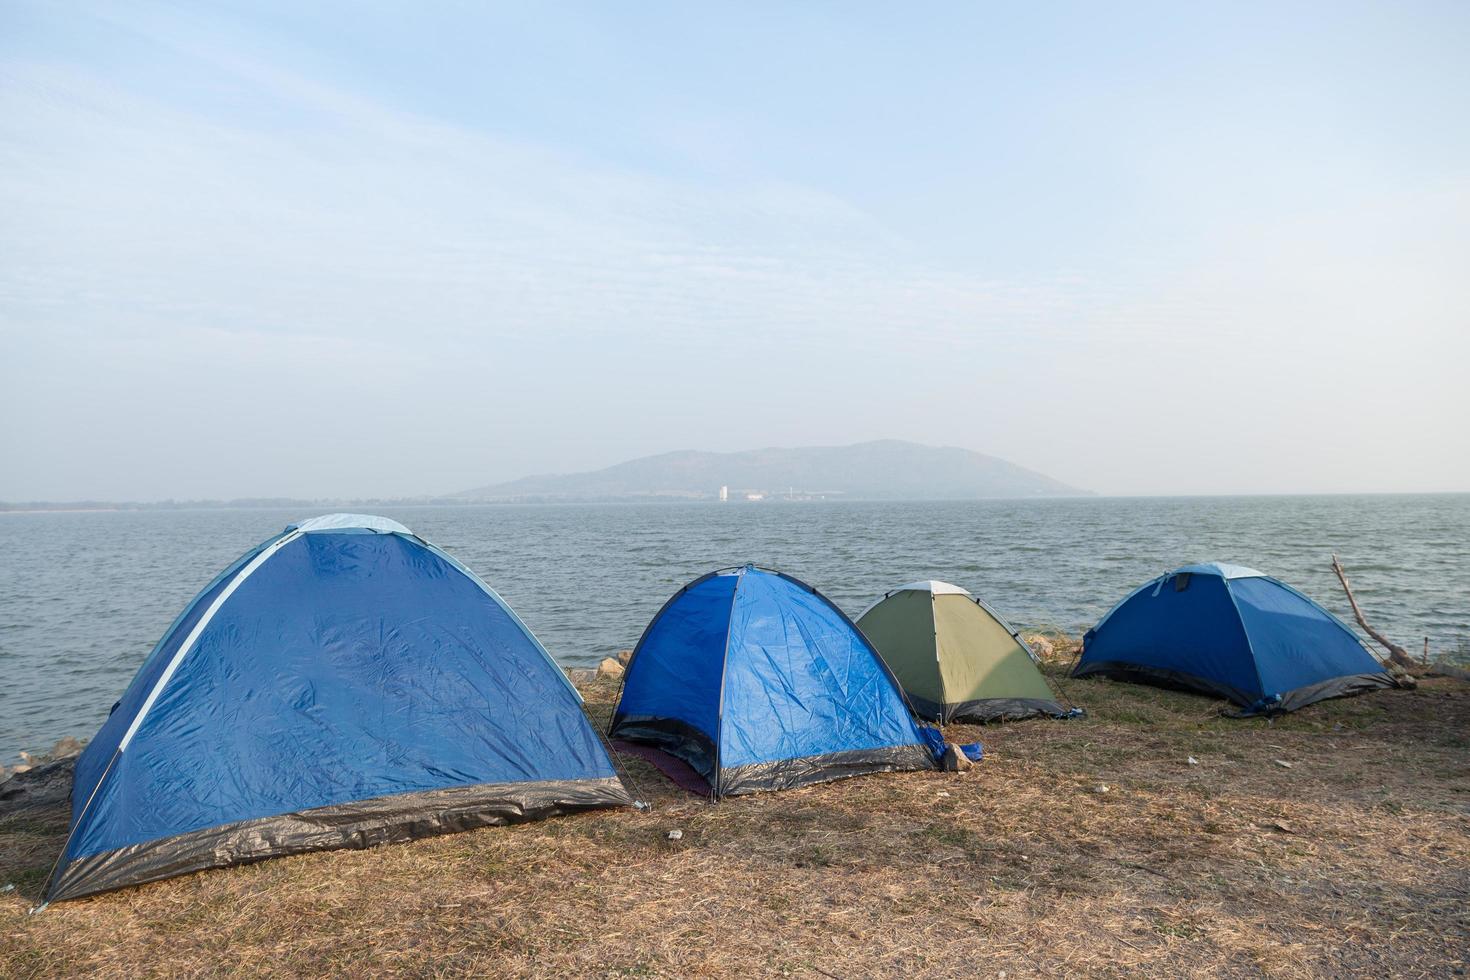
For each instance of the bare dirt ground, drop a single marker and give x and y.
(1334, 842)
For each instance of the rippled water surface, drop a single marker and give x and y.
(84, 596)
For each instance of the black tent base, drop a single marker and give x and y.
(986, 710)
(1334, 687)
(688, 744)
(791, 773)
(359, 824)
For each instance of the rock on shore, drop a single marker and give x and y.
(40, 783)
(65, 748)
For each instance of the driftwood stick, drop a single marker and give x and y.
(1397, 654)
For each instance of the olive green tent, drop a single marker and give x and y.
(955, 658)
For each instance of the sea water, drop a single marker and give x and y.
(84, 596)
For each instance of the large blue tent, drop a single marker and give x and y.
(341, 685)
(758, 682)
(1233, 632)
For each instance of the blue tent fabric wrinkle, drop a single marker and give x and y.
(343, 684)
(1235, 633)
(759, 682)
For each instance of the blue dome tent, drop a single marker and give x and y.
(344, 684)
(758, 682)
(1235, 633)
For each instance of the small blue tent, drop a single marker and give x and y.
(1232, 632)
(341, 685)
(758, 682)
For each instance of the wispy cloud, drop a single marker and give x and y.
(200, 216)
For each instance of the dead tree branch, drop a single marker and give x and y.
(1397, 654)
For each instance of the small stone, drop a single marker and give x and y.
(943, 794)
(1193, 761)
(1040, 646)
(676, 835)
(624, 656)
(609, 668)
(65, 748)
(1282, 763)
(1100, 788)
(954, 759)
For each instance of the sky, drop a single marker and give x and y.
(376, 249)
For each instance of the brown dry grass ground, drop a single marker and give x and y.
(1355, 860)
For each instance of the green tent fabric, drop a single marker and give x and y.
(955, 658)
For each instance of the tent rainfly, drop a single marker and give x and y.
(343, 684)
(1235, 633)
(758, 682)
(957, 660)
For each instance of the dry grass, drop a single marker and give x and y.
(1356, 860)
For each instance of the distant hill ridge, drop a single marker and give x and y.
(886, 469)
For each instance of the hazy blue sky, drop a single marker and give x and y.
(377, 249)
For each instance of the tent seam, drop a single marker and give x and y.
(198, 631)
(1330, 615)
(1250, 646)
(724, 667)
(505, 607)
(262, 555)
(643, 637)
(873, 650)
(938, 662)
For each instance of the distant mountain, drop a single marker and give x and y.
(887, 469)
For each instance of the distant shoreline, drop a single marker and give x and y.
(128, 507)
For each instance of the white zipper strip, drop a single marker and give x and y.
(194, 634)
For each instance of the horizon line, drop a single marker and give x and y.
(282, 503)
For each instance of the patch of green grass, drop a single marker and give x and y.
(955, 836)
(1180, 930)
(777, 902)
(29, 881)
